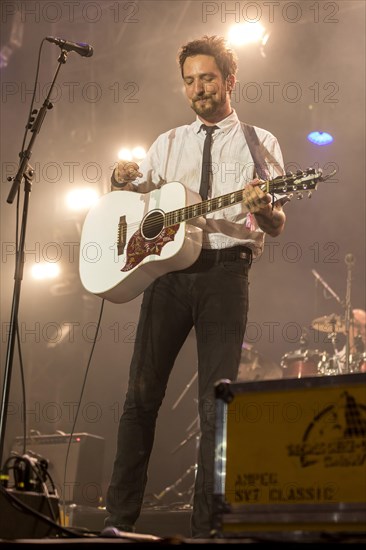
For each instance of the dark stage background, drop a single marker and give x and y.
(310, 75)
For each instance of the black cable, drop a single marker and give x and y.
(27, 128)
(44, 486)
(22, 507)
(6, 467)
(30, 120)
(22, 480)
(79, 403)
(24, 400)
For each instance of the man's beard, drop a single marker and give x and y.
(209, 108)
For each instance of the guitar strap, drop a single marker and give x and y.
(256, 151)
(260, 154)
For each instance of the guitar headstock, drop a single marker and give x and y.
(303, 180)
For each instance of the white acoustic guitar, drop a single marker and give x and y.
(130, 239)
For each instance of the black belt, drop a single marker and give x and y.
(227, 254)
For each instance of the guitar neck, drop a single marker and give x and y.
(286, 184)
(205, 207)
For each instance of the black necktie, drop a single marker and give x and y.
(206, 160)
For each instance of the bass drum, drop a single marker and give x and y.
(300, 363)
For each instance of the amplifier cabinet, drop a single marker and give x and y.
(290, 455)
(81, 458)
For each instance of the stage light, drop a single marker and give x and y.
(125, 154)
(139, 153)
(247, 33)
(45, 270)
(320, 138)
(81, 199)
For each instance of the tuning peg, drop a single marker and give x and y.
(299, 196)
(299, 172)
(310, 194)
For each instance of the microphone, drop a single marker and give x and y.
(79, 47)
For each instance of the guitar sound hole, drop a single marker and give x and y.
(152, 224)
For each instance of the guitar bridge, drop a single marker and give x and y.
(121, 235)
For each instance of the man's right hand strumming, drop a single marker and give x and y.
(124, 174)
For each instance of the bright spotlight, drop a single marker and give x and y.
(45, 270)
(247, 33)
(139, 153)
(81, 199)
(125, 154)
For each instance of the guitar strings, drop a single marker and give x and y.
(175, 219)
(215, 201)
(225, 201)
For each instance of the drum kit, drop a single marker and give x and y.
(254, 366)
(314, 362)
(311, 362)
(308, 362)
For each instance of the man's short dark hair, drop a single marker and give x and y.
(215, 46)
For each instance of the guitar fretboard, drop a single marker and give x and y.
(202, 208)
(281, 185)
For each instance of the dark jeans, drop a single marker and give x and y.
(212, 295)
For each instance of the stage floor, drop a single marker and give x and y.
(85, 525)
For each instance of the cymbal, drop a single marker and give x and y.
(329, 323)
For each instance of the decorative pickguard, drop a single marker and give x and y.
(138, 247)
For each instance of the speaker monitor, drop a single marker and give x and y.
(82, 457)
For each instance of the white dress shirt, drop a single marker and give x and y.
(176, 155)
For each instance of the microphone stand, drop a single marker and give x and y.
(346, 304)
(332, 336)
(27, 172)
(349, 260)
